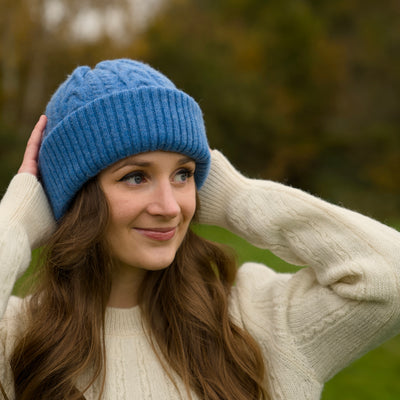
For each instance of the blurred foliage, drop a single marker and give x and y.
(301, 91)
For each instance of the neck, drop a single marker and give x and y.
(125, 286)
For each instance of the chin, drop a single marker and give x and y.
(159, 264)
(155, 263)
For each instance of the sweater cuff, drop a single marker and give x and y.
(25, 204)
(223, 184)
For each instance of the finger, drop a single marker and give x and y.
(29, 163)
(33, 145)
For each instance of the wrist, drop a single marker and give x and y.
(223, 184)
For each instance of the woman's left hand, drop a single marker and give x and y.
(30, 161)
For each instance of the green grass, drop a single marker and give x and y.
(375, 376)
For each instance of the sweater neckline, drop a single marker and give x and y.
(123, 321)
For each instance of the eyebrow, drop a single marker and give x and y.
(144, 164)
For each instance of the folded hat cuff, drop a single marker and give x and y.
(114, 127)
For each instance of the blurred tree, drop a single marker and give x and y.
(42, 40)
(301, 91)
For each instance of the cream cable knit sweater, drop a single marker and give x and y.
(309, 324)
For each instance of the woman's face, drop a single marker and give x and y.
(152, 199)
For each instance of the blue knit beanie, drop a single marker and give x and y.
(101, 115)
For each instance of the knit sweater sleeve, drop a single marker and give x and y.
(344, 303)
(25, 222)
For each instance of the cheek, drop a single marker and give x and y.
(188, 207)
(123, 204)
(121, 212)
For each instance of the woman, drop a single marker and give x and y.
(131, 304)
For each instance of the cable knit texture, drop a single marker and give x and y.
(101, 115)
(310, 324)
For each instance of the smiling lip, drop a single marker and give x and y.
(161, 234)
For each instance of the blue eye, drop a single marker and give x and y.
(134, 178)
(183, 175)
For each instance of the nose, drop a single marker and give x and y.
(164, 201)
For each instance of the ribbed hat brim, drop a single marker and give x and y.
(114, 127)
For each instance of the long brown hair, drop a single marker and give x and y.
(190, 301)
(185, 308)
(66, 310)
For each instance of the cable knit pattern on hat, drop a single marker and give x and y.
(120, 108)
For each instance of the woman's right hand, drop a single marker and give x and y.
(30, 161)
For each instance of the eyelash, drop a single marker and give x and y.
(132, 175)
(187, 171)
